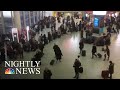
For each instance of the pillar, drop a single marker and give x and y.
(34, 17)
(42, 15)
(83, 14)
(17, 20)
(3, 24)
(38, 16)
(24, 19)
(29, 18)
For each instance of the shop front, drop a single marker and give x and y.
(88, 16)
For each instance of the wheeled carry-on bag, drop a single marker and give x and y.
(105, 74)
(52, 62)
(99, 55)
(81, 69)
(83, 52)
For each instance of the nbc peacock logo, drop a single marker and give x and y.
(9, 71)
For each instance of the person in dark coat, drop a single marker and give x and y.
(42, 38)
(49, 36)
(80, 26)
(47, 74)
(117, 28)
(41, 46)
(108, 52)
(2, 54)
(45, 39)
(94, 50)
(76, 66)
(111, 69)
(58, 52)
(81, 33)
(20, 50)
(38, 55)
(81, 46)
(55, 48)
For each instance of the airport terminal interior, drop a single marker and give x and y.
(68, 44)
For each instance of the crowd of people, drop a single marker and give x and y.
(15, 49)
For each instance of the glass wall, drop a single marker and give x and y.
(36, 19)
(32, 18)
(8, 24)
(27, 18)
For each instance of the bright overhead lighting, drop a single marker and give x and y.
(99, 12)
(7, 13)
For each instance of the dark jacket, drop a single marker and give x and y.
(41, 46)
(108, 52)
(76, 65)
(55, 48)
(47, 74)
(111, 68)
(94, 49)
(81, 45)
(58, 52)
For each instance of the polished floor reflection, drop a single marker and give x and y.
(69, 44)
(70, 49)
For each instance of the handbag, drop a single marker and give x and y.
(81, 69)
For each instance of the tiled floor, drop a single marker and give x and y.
(70, 49)
(69, 45)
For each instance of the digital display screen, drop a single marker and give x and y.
(96, 22)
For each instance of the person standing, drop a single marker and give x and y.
(94, 50)
(47, 73)
(111, 69)
(76, 66)
(55, 48)
(81, 33)
(81, 46)
(77, 27)
(41, 47)
(108, 52)
(105, 54)
(80, 26)
(117, 28)
(58, 52)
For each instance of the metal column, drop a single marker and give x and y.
(29, 18)
(24, 19)
(3, 23)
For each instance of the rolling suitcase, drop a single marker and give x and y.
(99, 55)
(52, 62)
(105, 74)
(81, 69)
(83, 52)
(103, 49)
